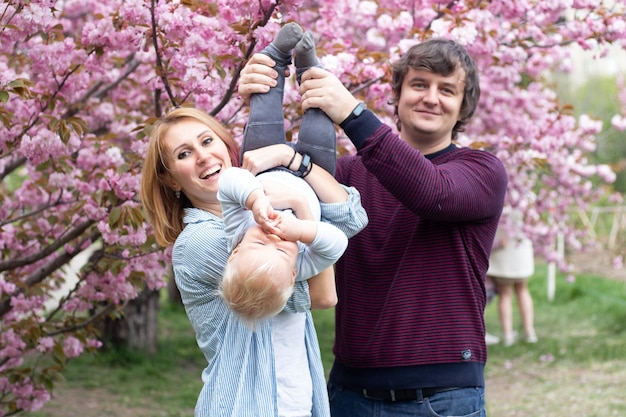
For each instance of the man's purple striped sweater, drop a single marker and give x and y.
(411, 285)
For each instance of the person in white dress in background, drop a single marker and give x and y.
(511, 264)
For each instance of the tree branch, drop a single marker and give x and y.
(94, 258)
(93, 318)
(35, 212)
(95, 91)
(133, 64)
(440, 13)
(159, 62)
(40, 274)
(58, 243)
(12, 166)
(233, 82)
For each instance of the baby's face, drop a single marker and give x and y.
(257, 245)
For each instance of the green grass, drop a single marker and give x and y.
(167, 381)
(584, 326)
(578, 365)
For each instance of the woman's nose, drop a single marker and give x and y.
(203, 155)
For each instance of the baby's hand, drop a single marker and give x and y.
(291, 228)
(263, 212)
(286, 227)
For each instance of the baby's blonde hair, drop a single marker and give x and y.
(249, 290)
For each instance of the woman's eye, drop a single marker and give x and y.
(183, 154)
(207, 141)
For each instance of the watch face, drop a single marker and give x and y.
(355, 113)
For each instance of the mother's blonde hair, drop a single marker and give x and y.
(164, 210)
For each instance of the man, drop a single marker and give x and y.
(410, 331)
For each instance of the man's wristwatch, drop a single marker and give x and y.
(355, 113)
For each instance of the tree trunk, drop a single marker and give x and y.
(173, 295)
(137, 329)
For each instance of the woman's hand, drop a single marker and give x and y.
(322, 289)
(267, 157)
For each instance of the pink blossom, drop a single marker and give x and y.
(618, 122)
(39, 397)
(81, 122)
(72, 347)
(616, 198)
(93, 343)
(618, 262)
(26, 305)
(606, 173)
(30, 396)
(11, 348)
(45, 344)
(6, 288)
(465, 35)
(588, 125)
(441, 28)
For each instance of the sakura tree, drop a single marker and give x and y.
(619, 120)
(82, 81)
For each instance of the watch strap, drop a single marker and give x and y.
(356, 112)
(305, 166)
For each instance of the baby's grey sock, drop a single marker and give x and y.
(288, 37)
(305, 52)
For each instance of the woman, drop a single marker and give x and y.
(511, 264)
(248, 372)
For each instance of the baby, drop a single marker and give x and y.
(272, 248)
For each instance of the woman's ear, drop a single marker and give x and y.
(166, 179)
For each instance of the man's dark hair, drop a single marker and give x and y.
(440, 56)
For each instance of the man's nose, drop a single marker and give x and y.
(431, 95)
